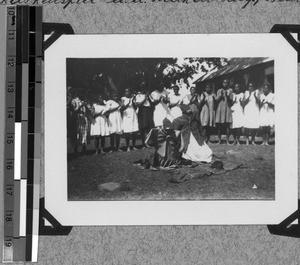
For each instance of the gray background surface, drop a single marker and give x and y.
(167, 244)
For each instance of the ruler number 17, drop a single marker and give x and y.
(9, 190)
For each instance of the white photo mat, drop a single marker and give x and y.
(218, 212)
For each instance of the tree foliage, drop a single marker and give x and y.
(107, 75)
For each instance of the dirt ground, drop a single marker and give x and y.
(255, 180)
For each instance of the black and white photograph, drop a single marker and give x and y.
(183, 131)
(170, 128)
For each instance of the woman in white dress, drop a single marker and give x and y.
(130, 119)
(161, 110)
(114, 122)
(251, 112)
(237, 113)
(175, 100)
(99, 125)
(267, 113)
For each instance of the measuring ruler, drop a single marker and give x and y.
(22, 132)
(9, 147)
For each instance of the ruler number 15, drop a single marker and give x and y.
(9, 139)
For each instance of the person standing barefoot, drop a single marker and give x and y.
(237, 113)
(99, 126)
(251, 113)
(266, 113)
(207, 114)
(115, 122)
(145, 113)
(130, 119)
(223, 112)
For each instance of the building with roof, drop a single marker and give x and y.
(259, 70)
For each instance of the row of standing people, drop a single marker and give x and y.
(126, 116)
(229, 109)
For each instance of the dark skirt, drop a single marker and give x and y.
(145, 118)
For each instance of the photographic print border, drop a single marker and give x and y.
(171, 212)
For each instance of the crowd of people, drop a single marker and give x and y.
(232, 109)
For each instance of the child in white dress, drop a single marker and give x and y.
(237, 113)
(251, 112)
(114, 122)
(130, 119)
(161, 110)
(175, 100)
(267, 113)
(99, 125)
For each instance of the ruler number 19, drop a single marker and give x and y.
(8, 242)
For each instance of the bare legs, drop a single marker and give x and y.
(144, 133)
(97, 141)
(223, 126)
(115, 142)
(266, 130)
(236, 135)
(252, 133)
(131, 136)
(207, 132)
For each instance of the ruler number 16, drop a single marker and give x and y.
(9, 165)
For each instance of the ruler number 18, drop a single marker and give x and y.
(8, 217)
